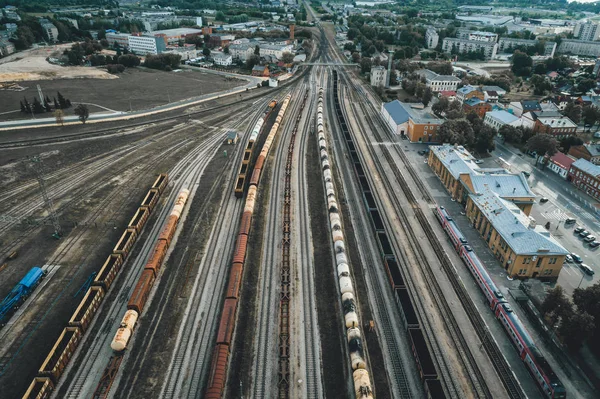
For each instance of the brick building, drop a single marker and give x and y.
(467, 92)
(476, 106)
(585, 176)
(417, 124)
(589, 152)
(560, 126)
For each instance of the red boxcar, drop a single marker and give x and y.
(142, 290)
(227, 322)
(239, 253)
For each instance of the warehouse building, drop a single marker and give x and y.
(411, 120)
(143, 45)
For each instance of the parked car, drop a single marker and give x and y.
(570, 221)
(584, 233)
(543, 200)
(578, 230)
(594, 244)
(569, 259)
(422, 152)
(589, 239)
(586, 269)
(526, 174)
(576, 258)
(478, 161)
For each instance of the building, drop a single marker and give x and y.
(6, 48)
(498, 205)
(431, 38)
(557, 126)
(560, 164)
(122, 39)
(199, 21)
(589, 152)
(222, 59)
(241, 51)
(220, 40)
(461, 46)
(509, 45)
(528, 118)
(588, 31)
(520, 107)
(439, 82)
(561, 102)
(173, 36)
(579, 47)
(490, 96)
(143, 45)
(478, 36)
(260, 70)
(378, 75)
(467, 92)
(232, 137)
(585, 176)
(501, 92)
(50, 31)
(476, 106)
(450, 95)
(497, 119)
(275, 50)
(406, 119)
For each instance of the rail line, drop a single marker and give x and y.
(500, 364)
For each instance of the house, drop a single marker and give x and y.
(439, 82)
(450, 95)
(589, 152)
(406, 119)
(497, 119)
(222, 59)
(561, 102)
(528, 118)
(378, 76)
(552, 75)
(520, 107)
(477, 106)
(490, 96)
(468, 91)
(559, 127)
(560, 164)
(260, 70)
(549, 106)
(232, 137)
(220, 40)
(501, 92)
(585, 176)
(583, 100)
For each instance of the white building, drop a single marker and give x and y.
(431, 38)
(560, 164)
(222, 59)
(579, 47)
(439, 82)
(508, 45)
(122, 39)
(497, 119)
(198, 21)
(478, 36)
(50, 31)
(588, 31)
(378, 75)
(241, 51)
(461, 46)
(143, 45)
(275, 50)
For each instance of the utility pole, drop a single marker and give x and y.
(41, 94)
(37, 166)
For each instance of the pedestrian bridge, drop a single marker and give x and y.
(330, 63)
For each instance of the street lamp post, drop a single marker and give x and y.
(581, 281)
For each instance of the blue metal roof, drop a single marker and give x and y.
(397, 112)
(587, 167)
(502, 116)
(32, 277)
(473, 101)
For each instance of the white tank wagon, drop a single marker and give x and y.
(362, 380)
(125, 330)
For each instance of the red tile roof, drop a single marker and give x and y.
(448, 93)
(562, 160)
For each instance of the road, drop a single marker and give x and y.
(118, 115)
(562, 204)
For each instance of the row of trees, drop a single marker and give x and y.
(574, 321)
(37, 107)
(165, 62)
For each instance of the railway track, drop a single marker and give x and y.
(393, 342)
(83, 380)
(500, 364)
(263, 383)
(196, 334)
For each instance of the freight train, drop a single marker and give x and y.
(220, 358)
(57, 360)
(362, 379)
(518, 334)
(140, 294)
(17, 296)
(248, 152)
(421, 352)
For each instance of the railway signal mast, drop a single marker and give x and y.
(37, 166)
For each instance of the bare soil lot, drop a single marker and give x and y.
(139, 88)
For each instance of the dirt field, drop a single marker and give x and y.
(139, 88)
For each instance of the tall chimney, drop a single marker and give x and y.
(389, 71)
(292, 26)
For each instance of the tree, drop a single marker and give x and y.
(576, 329)
(38, 108)
(83, 112)
(457, 131)
(252, 61)
(206, 51)
(455, 111)
(441, 106)
(129, 60)
(442, 68)
(521, 64)
(557, 306)
(510, 133)
(257, 50)
(365, 65)
(426, 96)
(220, 16)
(23, 109)
(355, 57)
(590, 115)
(484, 138)
(287, 58)
(585, 85)
(226, 50)
(542, 144)
(59, 116)
(573, 112)
(540, 84)
(570, 141)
